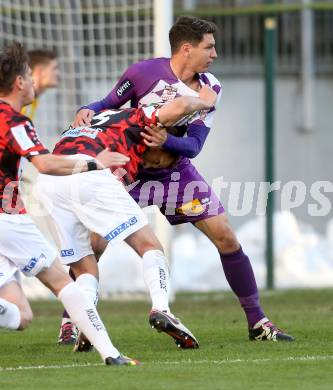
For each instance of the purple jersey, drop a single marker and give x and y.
(181, 193)
(153, 82)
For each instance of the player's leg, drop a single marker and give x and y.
(192, 200)
(82, 311)
(156, 276)
(15, 311)
(239, 273)
(67, 333)
(74, 241)
(85, 274)
(98, 245)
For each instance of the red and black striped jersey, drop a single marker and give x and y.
(18, 138)
(118, 130)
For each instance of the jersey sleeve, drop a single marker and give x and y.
(25, 141)
(122, 92)
(189, 146)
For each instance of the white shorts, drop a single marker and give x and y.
(87, 202)
(22, 247)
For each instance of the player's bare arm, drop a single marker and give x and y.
(184, 105)
(57, 165)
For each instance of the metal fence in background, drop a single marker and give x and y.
(240, 39)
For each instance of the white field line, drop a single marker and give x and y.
(165, 363)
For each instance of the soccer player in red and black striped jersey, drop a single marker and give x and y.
(22, 246)
(121, 130)
(103, 205)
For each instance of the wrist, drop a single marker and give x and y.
(92, 165)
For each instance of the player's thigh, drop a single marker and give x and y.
(143, 240)
(107, 208)
(24, 245)
(57, 194)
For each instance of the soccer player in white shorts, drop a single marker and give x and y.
(22, 246)
(98, 202)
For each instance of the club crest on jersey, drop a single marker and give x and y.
(169, 93)
(124, 87)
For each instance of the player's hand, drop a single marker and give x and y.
(154, 136)
(83, 118)
(107, 159)
(207, 94)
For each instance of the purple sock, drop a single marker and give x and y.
(65, 314)
(240, 276)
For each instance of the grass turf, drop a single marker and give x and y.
(225, 359)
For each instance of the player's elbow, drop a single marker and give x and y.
(192, 153)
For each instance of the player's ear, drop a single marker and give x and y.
(186, 49)
(19, 82)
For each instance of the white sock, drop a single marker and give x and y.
(89, 284)
(85, 316)
(156, 277)
(10, 317)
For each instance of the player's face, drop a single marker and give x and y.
(202, 55)
(50, 74)
(28, 91)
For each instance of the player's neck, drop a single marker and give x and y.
(14, 102)
(183, 73)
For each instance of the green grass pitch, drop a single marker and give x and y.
(225, 359)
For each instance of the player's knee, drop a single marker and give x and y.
(226, 240)
(151, 245)
(26, 318)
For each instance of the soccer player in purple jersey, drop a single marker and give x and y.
(160, 80)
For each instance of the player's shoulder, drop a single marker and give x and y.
(210, 79)
(150, 65)
(11, 117)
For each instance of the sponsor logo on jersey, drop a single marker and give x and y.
(32, 263)
(169, 93)
(81, 132)
(67, 252)
(119, 229)
(194, 207)
(124, 87)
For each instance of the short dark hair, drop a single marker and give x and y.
(41, 57)
(189, 29)
(14, 62)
